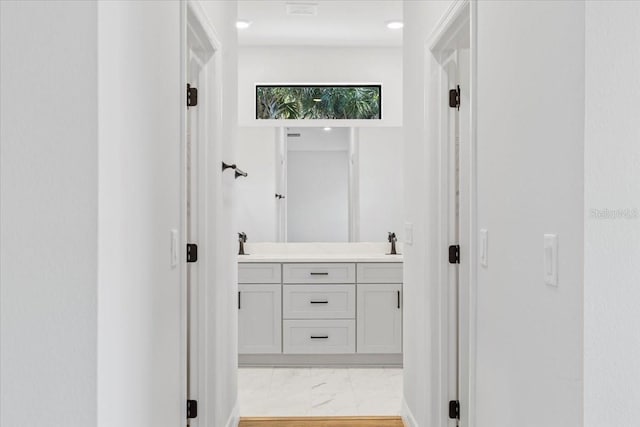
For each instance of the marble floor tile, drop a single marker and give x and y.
(319, 391)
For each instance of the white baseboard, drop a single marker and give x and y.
(234, 417)
(407, 416)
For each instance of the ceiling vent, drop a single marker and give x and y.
(302, 9)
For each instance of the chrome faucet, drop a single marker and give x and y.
(393, 239)
(242, 238)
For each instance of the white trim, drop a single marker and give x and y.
(194, 7)
(199, 44)
(183, 203)
(445, 26)
(407, 415)
(439, 46)
(354, 185)
(234, 417)
(473, 209)
(320, 123)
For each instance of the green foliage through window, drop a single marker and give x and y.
(318, 102)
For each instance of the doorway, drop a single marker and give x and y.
(323, 340)
(315, 344)
(451, 57)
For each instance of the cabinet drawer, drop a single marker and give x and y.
(319, 301)
(259, 273)
(319, 336)
(380, 272)
(319, 273)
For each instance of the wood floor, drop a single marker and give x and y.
(322, 422)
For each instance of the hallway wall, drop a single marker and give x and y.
(612, 211)
(140, 363)
(530, 139)
(139, 301)
(530, 182)
(48, 213)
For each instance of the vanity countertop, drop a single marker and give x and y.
(319, 258)
(319, 252)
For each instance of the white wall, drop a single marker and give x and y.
(256, 207)
(48, 213)
(381, 183)
(530, 182)
(321, 65)
(612, 243)
(139, 301)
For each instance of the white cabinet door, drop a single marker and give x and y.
(259, 319)
(379, 318)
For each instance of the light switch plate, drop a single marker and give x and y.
(408, 233)
(484, 247)
(174, 247)
(551, 259)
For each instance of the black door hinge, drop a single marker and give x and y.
(454, 409)
(454, 98)
(192, 408)
(454, 254)
(192, 252)
(192, 96)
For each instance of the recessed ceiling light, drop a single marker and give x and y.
(243, 25)
(327, 129)
(395, 25)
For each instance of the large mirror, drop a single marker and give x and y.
(327, 184)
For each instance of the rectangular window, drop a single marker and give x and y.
(319, 102)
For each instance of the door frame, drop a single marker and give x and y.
(461, 17)
(198, 38)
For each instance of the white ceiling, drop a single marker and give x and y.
(337, 23)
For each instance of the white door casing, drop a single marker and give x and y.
(201, 131)
(451, 53)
